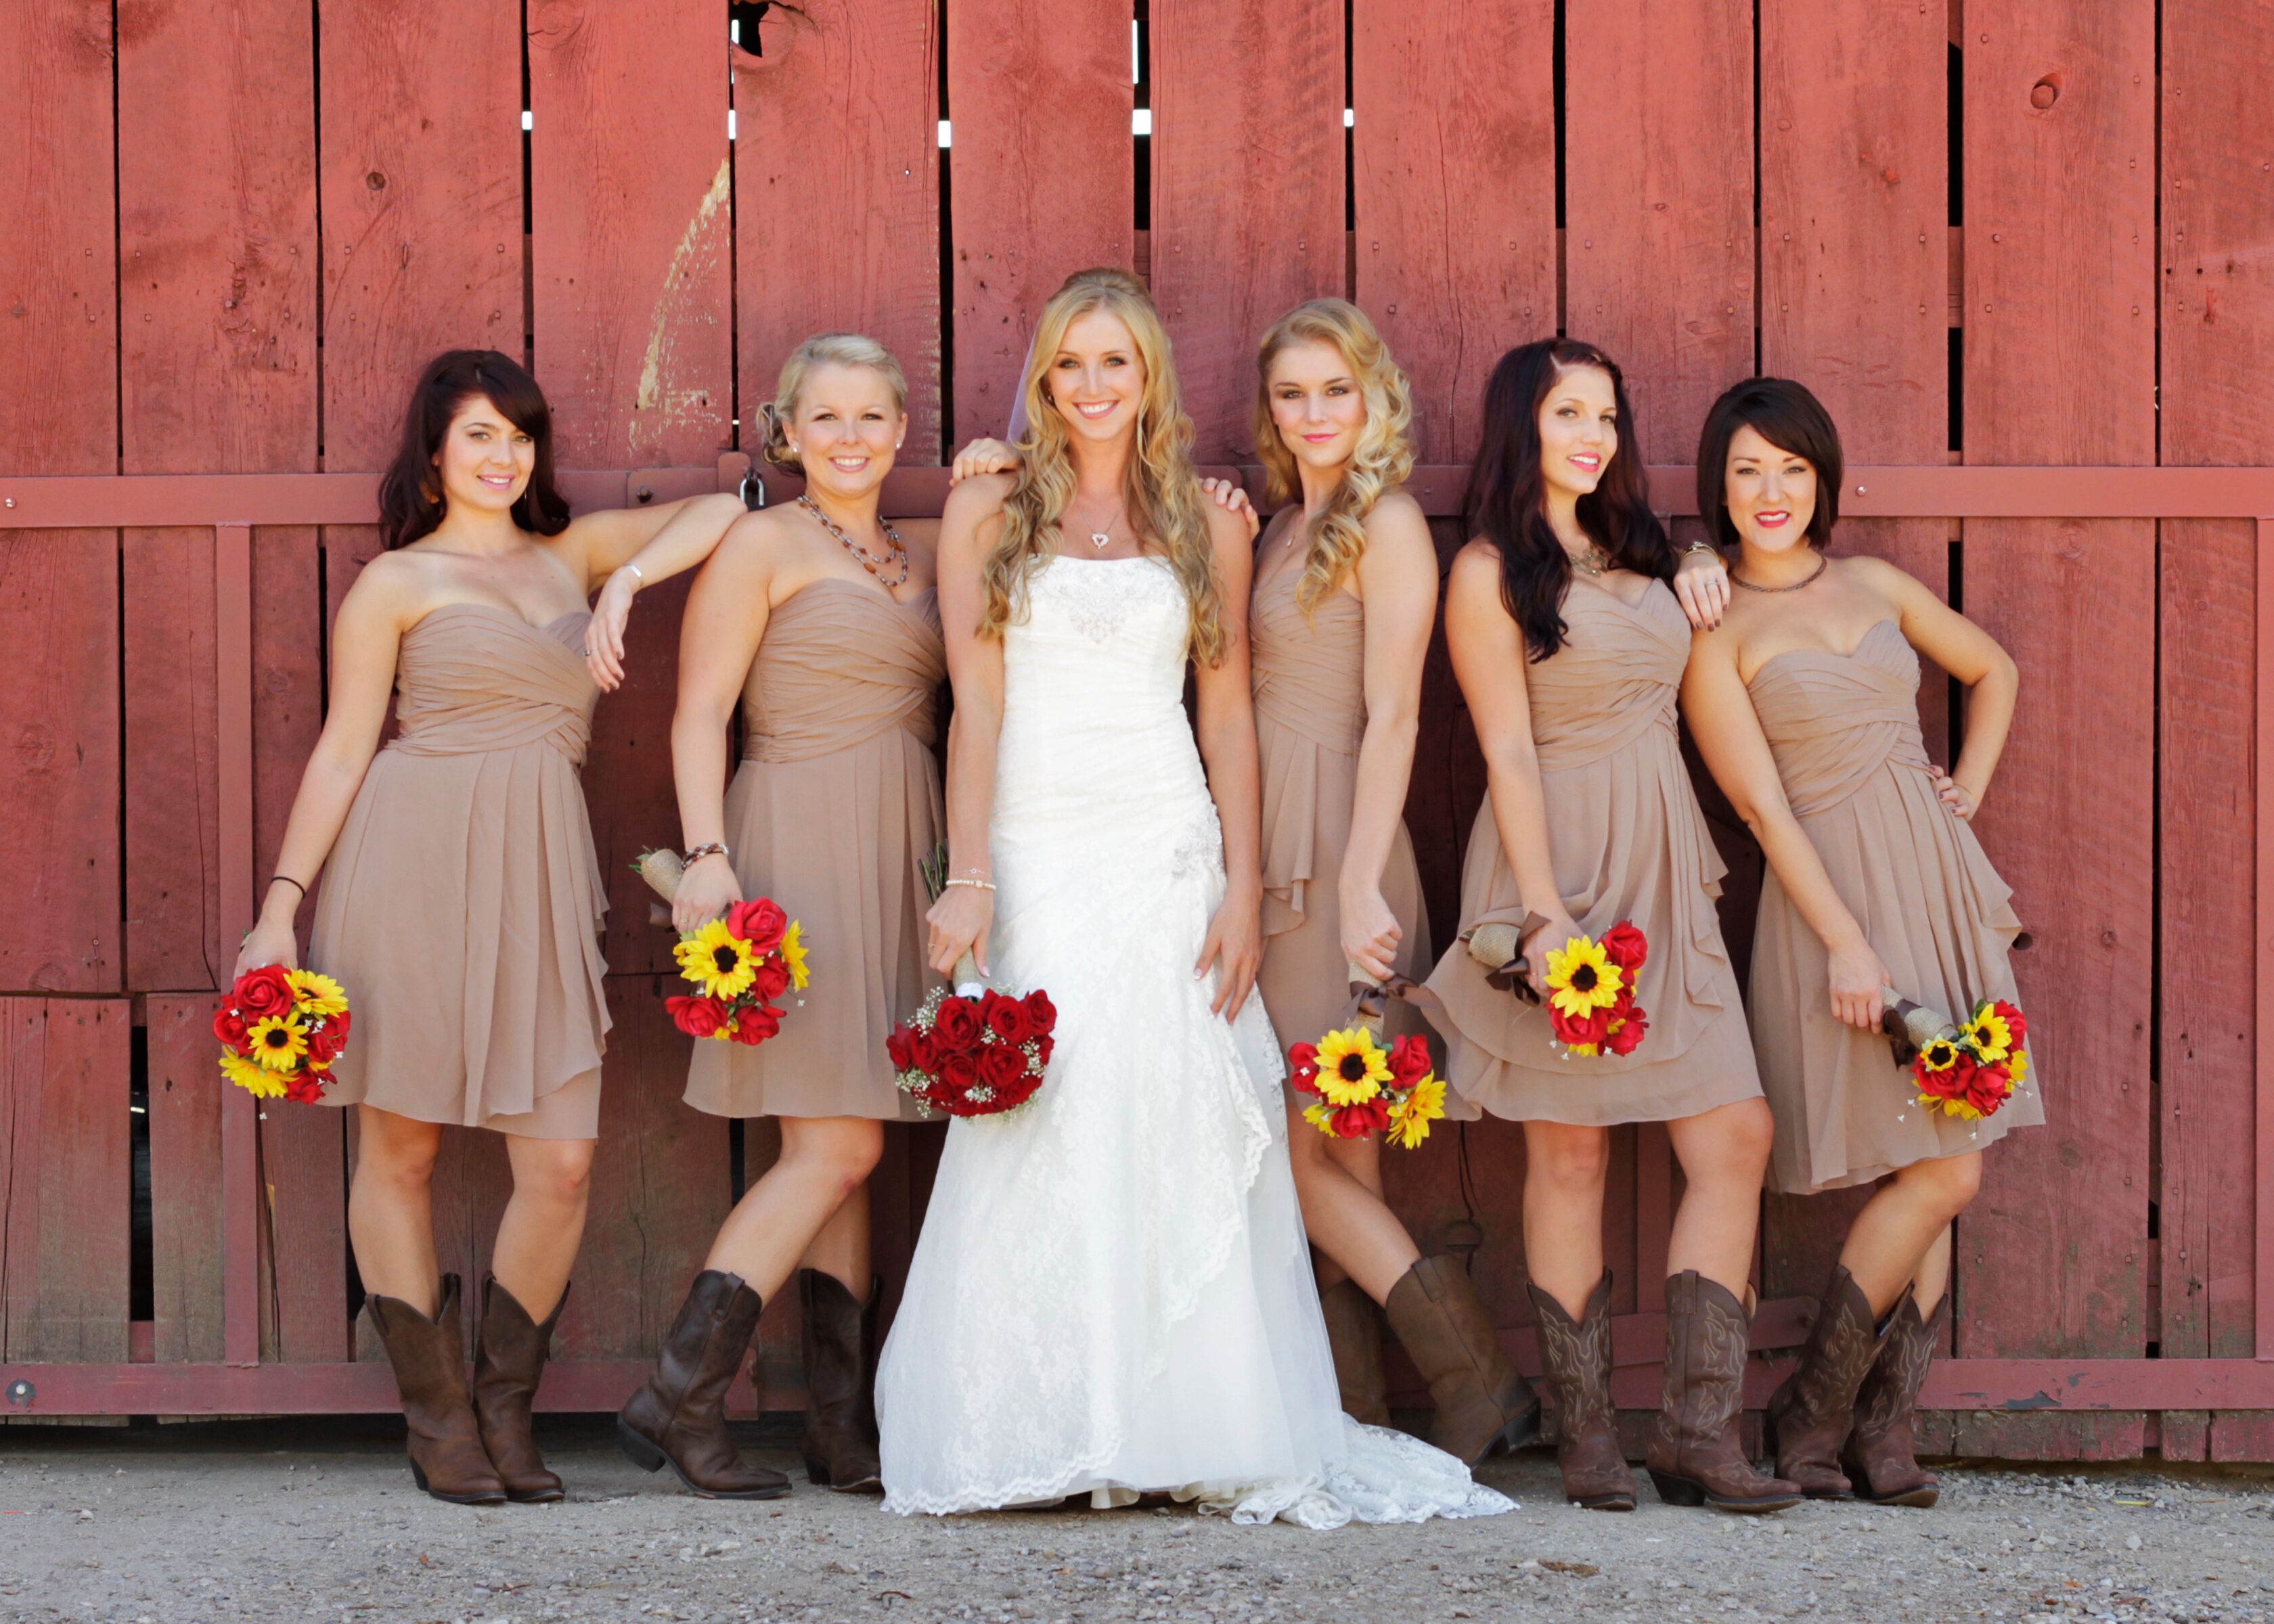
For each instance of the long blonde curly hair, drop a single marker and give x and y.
(1382, 461)
(1165, 506)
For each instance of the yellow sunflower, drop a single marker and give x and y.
(1992, 1036)
(1940, 1054)
(2017, 1064)
(1408, 1124)
(1351, 1070)
(316, 994)
(277, 1043)
(718, 961)
(1320, 1116)
(1581, 977)
(792, 952)
(251, 1076)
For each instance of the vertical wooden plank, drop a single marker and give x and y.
(1657, 202)
(2059, 367)
(1853, 177)
(1026, 78)
(837, 194)
(1455, 162)
(2218, 350)
(59, 778)
(67, 1184)
(661, 1185)
(185, 1189)
(217, 250)
(631, 243)
(1248, 97)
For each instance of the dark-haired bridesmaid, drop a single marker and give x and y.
(1805, 704)
(1569, 643)
(462, 898)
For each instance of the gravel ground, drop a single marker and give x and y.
(294, 1521)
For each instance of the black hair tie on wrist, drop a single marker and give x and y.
(288, 880)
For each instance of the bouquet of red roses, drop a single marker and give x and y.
(1591, 992)
(1970, 1071)
(280, 1032)
(976, 1054)
(1363, 1088)
(743, 961)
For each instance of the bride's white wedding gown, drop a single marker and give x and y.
(1113, 1293)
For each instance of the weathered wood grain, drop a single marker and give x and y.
(185, 1192)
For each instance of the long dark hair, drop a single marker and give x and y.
(411, 491)
(1507, 503)
(1787, 416)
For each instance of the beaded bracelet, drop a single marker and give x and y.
(957, 879)
(716, 848)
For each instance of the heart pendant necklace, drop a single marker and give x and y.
(1102, 539)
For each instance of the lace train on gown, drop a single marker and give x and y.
(1113, 1293)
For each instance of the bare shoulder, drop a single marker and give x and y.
(1476, 567)
(1892, 582)
(1397, 523)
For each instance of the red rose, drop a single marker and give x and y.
(1987, 1087)
(898, 1050)
(759, 923)
(699, 1017)
(924, 1051)
(1357, 1122)
(755, 1024)
(304, 1088)
(1626, 1036)
(957, 1074)
(1302, 1067)
(1042, 1014)
(1002, 1069)
(1006, 1019)
(231, 1026)
(1409, 1061)
(956, 1026)
(1951, 1082)
(1043, 1045)
(2013, 1020)
(772, 980)
(1626, 947)
(340, 1022)
(1574, 1029)
(325, 1043)
(262, 993)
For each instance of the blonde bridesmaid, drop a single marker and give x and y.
(1345, 600)
(817, 622)
(1805, 704)
(1569, 643)
(462, 899)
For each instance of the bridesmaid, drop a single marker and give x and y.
(1345, 597)
(1569, 644)
(817, 620)
(462, 899)
(1804, 706)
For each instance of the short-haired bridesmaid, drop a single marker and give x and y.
(1805, 704)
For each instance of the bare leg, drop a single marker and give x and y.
(1339, 1184)
(824, 1159)
(391, 1207)
(543, 1223)
(1724, 1154)
(840, 1246)
(1904, 1233)
(1565, 1168)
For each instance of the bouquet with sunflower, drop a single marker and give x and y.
(1363, 1088)
(1591, 992)
(280, 1032)
(1966, 1071)
(742, 961)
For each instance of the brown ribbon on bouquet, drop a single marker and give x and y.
(1911, 1026)
(1495, 944)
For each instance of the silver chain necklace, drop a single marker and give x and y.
(1102, 539)
(1823, 563)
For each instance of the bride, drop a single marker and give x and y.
(1111, 1293)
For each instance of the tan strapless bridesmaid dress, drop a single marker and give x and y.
(836, 802)
(462, 903)
(1310, 717)
(1629, 842)
(1845, 732)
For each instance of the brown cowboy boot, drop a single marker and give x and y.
(1578, 1357)
(840, 1371)
(1879, 1453)
(1484, 1403)
(1694, 1458)
(679, 1415)
(509, 1360)
(1810, 1413)
(429, 1356)
(1354, 1335)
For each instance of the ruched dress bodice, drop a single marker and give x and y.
(1309, 679)
(836, 803)
(462, 902)
(1844, 729)
(1628, 842)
